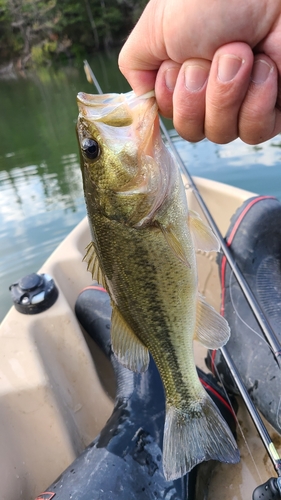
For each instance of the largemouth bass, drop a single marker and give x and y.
(143, 252)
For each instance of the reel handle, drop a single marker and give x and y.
(271, 490)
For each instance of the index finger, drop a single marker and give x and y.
(143, 53)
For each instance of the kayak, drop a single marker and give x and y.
(57, 386)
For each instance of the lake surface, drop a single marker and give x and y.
(41, 196)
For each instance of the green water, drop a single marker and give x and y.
(41, 196)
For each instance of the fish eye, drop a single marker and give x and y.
(90, 148)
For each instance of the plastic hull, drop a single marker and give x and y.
(57, 388)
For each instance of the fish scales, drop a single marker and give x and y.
(151, 290)
(142, 294)
(143, 252)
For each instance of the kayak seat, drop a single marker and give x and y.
(254, 238)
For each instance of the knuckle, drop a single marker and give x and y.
(255, 124)
(221, 136)
(190, 127)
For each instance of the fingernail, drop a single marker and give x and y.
(171, 78)
(195, 77)
(229, 66)
(260, 72)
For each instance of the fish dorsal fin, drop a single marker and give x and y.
(174, 243)
(93, 264)
(212, 330)
(126, 346)
(202, 235)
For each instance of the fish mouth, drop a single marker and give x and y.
(106, 101)
(132, 117)
(110, 109)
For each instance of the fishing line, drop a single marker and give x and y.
(278, 412)
(256, 333)
(241, 319)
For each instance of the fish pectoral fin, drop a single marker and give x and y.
(174, 243)
(202, 235)
(211, 329)
(93, 264)
(196, 434)
(127, 347)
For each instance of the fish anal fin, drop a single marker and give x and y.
(174, 243)
(202, 235)
(93, 264)
(126, 346)
(211, 329)
(195, 435)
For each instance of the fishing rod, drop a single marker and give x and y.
(271, 490)
(273, 485)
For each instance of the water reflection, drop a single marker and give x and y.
(41, 197)
(38, 207)
(254, 168)
(34, 189)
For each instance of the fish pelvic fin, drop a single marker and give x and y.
(211, 329)
(93, 264)
(202, 235)
(196, 435)
(127, 347)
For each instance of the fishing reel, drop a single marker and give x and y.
(271, 490)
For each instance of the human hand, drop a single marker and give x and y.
(214, 66)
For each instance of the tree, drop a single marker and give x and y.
(37, 30)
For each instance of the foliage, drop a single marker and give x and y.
(37, 31)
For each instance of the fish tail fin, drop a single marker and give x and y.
(194, 435)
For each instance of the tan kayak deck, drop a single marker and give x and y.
(57, 388)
